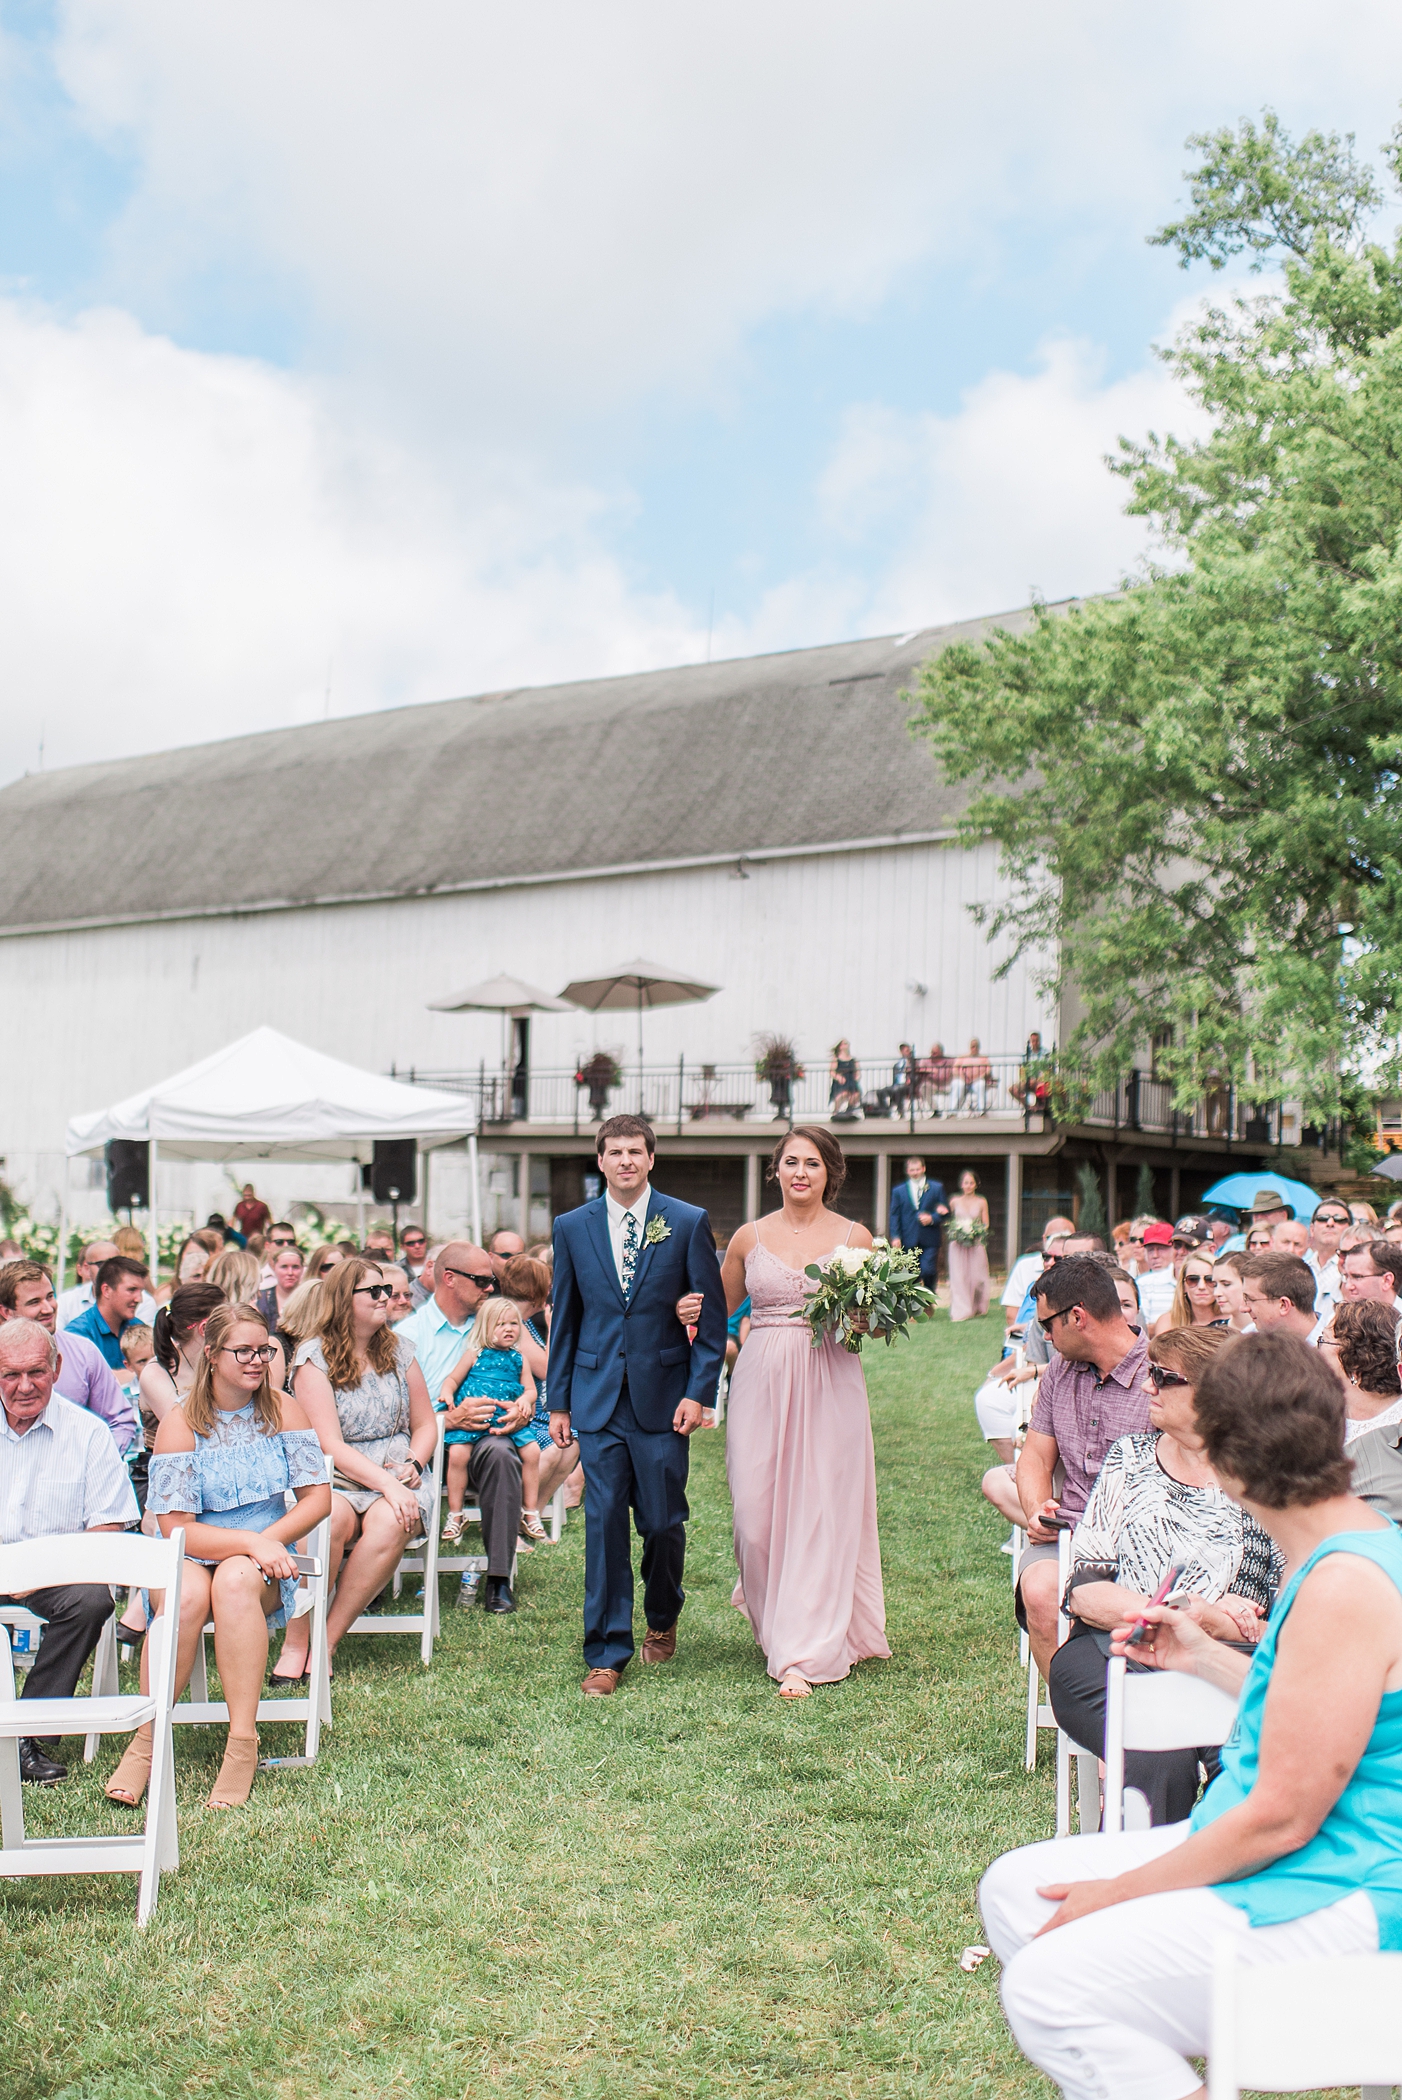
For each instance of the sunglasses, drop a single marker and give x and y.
(413, 1239)
(373, 1290)
(483, 1283)
(1052, 1318)
(1198, 1276)
(1159, 1377)
(1324, 1217)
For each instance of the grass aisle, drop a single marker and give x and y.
(490, 1885)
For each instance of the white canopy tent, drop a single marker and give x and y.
(266, 1097)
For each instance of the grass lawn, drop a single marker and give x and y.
(490, 1885)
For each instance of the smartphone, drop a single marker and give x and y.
(1060, 1523)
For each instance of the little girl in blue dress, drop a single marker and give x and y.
(490, 1368)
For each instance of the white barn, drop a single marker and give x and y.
(771, 826)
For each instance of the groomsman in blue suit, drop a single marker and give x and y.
(917, 1205)
(625, 1378)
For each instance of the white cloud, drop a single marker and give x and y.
(974, 511)
(191, 543)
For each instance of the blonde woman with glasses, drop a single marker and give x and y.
(225, 1460)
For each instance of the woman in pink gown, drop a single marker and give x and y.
(798, 1440)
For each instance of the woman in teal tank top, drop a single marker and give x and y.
(1296, 1848)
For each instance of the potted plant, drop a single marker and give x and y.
(600, 1074)
(776, 1063)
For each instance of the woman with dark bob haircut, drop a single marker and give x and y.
(1295, 1850)
(798, 1447)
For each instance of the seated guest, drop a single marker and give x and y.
(288, 1271)
(84, 1375)
(503, 1247)
(1362, 1347)
(365, 1397)
(118, 1291)
(401, 1291)
(1157, 1279)
(527, 1280)
(1371, 1270)
(138, 1350)
(78, 1297)
(195, 1254)
(1108, 1942)
(1157, 1500)
(177, 1352)
(225, 1461)
(379, 1245)
(59, 1472)
(1230, 1292)
(1091, 1393)
(322, 1260)
(1279, 1292)
(1194, 1296)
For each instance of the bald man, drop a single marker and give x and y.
(462, 1281)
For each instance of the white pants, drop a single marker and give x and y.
(1112, 2006)
(996, 1405)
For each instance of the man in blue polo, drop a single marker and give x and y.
(117, 1292)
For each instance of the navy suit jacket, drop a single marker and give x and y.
(904, 1221)
(598, 1337)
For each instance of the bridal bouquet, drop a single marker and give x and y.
(878, 1288)
(966, 1232)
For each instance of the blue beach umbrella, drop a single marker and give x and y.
(1239, 1191)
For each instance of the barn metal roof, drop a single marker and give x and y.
(755, 756)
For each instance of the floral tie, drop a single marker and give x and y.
(630, 1251)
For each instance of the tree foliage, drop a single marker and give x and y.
(1195, 784)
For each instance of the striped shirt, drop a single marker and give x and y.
(63, 1474)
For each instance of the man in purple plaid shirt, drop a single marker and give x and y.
(1092, 1392)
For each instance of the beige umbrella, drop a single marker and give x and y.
(510, 997)
(637, 985)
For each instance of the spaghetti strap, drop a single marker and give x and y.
(850, 1230)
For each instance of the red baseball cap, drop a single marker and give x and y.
(1159, 1235)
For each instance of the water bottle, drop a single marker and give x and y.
(467, 1588)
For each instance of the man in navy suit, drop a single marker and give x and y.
(625, 1379)
(917, 1205)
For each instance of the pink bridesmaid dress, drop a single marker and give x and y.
(802, 1473)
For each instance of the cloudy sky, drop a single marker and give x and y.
(357, 354)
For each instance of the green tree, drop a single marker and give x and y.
(1091, 1207)
(1195, 783)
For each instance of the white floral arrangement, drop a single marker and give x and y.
(967, 1232)
(866, 1293)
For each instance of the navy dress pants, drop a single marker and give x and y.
(929, 1265)
(642, 1471)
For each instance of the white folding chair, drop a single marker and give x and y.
(110, 1557)
(314, 1708)
(104, 1669)
(1158, 1710)
(424, 1558)
(1289, 2026)
(1040, 1715)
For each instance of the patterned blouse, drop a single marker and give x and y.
(238, 1479)
(1139, 1518)
(374, 1416)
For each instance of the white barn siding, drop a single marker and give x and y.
(814, 946)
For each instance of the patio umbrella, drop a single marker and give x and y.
(637, 984)
(1239, 1191)
(505, 996)
(1389, 1169)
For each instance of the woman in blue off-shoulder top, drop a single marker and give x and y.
(1295, 1850)
(225, 1461)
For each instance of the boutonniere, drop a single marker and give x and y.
(658, 1230)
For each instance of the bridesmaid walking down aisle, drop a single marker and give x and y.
(968, 1250)
(799, 1452)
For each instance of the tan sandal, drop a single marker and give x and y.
(531, 1526)
(235, 1782)
(133, 1775)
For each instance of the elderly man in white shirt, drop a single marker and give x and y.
(59, 1472)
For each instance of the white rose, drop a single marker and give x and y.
(851, 1260)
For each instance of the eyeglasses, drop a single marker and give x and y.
(483, 1283)
(246, 1354)
(1052, 1318)
(373, 1290)
(1160, 1376)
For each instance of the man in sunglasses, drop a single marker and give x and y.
(1330, 1222)
(413, 1244)
(1091, 1393)
(463, 1281)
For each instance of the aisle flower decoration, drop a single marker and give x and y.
(866, 1292)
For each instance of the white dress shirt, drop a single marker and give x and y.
(63, 1474)
(1326, 1276)
(616, 1214)
(1156, 1288)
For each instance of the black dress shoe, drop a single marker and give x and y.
(38, 1769)
(497, 1596)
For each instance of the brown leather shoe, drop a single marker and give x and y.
(661, 1644)
(601, 1684)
